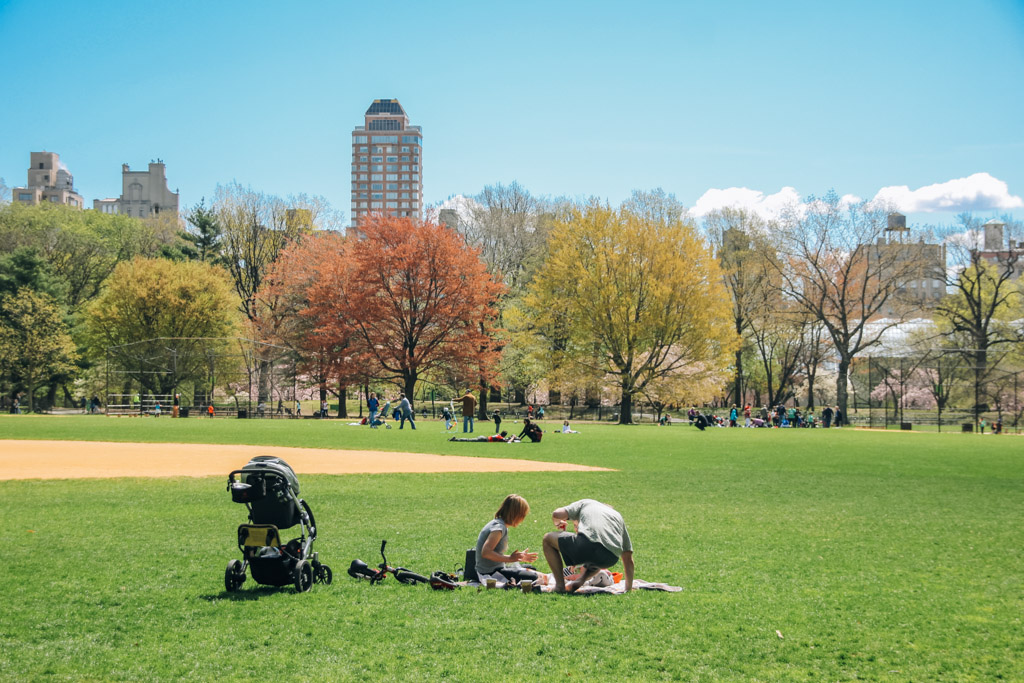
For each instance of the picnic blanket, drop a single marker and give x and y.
(589, 589)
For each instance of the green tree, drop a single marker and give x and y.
(154, 319)
(81, 247)
(34, 341)
(24, 267)
(985, 297)
(629, 289)
(205, 235)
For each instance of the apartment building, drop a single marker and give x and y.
(48, 181)
(387, 174)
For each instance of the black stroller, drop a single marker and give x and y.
(269, 489)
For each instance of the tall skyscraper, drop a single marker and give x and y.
(386, 165)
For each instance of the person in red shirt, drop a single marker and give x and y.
(493, 438)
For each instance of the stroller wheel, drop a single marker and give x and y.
(234, 576)
(324, 575)
(303, 573)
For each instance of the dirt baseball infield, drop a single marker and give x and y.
(104, 459)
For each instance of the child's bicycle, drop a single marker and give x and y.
(360, 570)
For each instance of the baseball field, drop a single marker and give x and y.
(803, 554)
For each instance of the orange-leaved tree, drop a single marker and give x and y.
(417, 299)
(324, 345)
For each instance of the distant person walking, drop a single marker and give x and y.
(468, 410)
(826, 417)
(497, 421)
(838, 417)
(406, 409)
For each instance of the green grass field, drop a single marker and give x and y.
(878, 556)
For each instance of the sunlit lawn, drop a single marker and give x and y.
(885, 556)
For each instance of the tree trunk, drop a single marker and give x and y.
(342, 400)
(980, 366)
(409, 381)
(841, 379)
(481, 413)
(626, 407)
(263, 390)
(738, 386)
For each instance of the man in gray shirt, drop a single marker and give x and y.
(406, 409)
(600, 540)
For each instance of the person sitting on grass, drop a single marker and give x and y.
(493, 541)
(531, 431)
(566, 429)
(493, 438)
(600, 540)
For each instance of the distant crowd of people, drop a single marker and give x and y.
(778, 417)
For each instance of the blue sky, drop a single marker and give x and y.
(742, 99)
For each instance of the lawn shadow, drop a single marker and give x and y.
(245, 595)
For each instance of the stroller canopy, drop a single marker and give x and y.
(268, 463)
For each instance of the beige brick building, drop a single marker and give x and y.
(144, 194)
(48, 181)
(387, 174)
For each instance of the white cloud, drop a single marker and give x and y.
(755, 201)
(978, 192)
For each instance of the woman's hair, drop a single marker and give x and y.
(513, 509)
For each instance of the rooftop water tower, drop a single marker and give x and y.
(994, 235)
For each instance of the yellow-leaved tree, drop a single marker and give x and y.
(636, 295)
(162, 322)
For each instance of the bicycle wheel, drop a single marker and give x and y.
(406, 577)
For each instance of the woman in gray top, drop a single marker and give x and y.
(492, 542)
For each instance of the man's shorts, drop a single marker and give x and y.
(578, 549)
